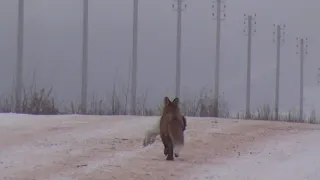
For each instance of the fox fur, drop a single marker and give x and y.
(171, 128)
(154, 131)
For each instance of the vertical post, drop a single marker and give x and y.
(178, 47)
(217, 66)
(248, 91)
(134, 58)
(301, 78)
(178, 55)
(19, 65)
(248, 68)
(85, 57)
(318, 78)
(217, 62)
(302, 51)
(277, 73)
(278, 37)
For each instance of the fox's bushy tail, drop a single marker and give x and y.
(151, 134)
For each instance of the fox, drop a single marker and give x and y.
(154, 131)
(171, 128)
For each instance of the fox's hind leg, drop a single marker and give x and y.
(168, 147)
(165, 142)
(170, 150)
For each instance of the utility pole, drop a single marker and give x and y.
(220, 15)
(84, 73)
(318, 79)
(249, 33)
(19, 65)
(179, 10)
(302, 51)
(134, 58)
(279, 33)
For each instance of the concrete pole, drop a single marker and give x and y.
(248, 68)
(277, 73)
(178, 53)
(19, 65)
(134, 58)
(217, 63)
(84, 73)
(301, 78)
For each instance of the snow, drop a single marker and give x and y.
(110, 147)
(295, 158)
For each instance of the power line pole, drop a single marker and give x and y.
(249, 33)
(318, 78)
(220, 15)
(279, 33)
(179, 10)
(302, 51)
(19, 65)
(85, 57)
(134, 58)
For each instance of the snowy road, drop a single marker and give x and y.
(110, 147)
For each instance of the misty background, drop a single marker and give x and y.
(53, 49)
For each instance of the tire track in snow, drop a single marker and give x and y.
(64, 151)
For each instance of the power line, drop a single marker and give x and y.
(179, 10)
(220, 15)
(277, 35)
(249, 32)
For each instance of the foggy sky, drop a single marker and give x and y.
(53, 44)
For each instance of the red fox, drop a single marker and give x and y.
(171, 128)
(151, 134)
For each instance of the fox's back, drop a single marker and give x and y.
(171, 128)
(172, 119)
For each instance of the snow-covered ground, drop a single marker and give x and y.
(110, 147)
(294, 157)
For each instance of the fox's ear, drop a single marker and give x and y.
(176, 101)
(166, 101)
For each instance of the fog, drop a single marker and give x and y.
(53, 48)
